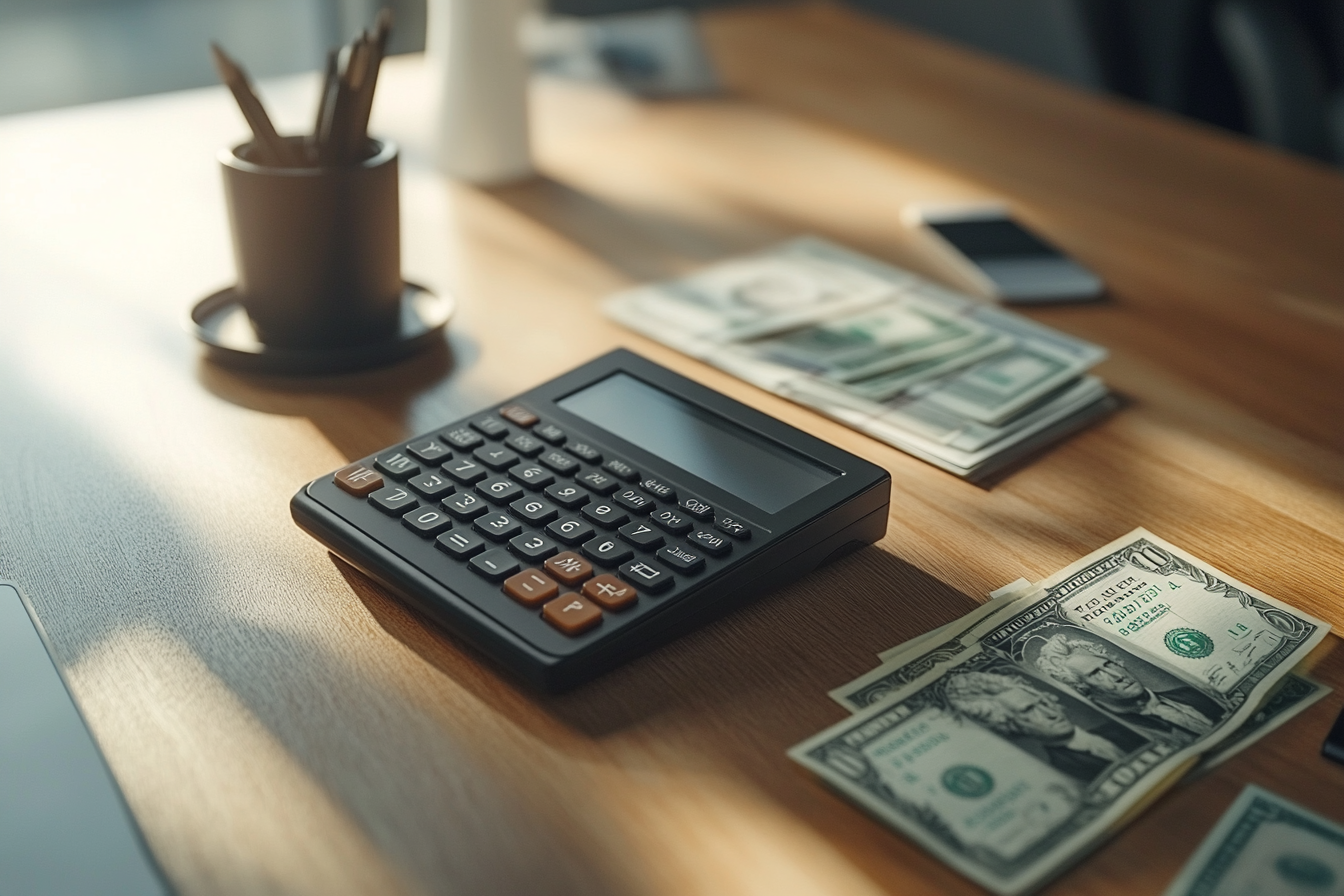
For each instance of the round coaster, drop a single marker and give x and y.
(220, 322)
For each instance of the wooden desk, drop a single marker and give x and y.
(280, 725)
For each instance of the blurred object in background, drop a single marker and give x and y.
(63, 52)
(1282, 78)
(1270, 69)
(481, 73)
(656, 53)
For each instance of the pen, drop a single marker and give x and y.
(272, 147)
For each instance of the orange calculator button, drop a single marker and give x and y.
(609, 592)
(530, 587)
(568, 568)
(359, 480)
(519, 415)
(571, 614)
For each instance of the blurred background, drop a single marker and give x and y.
(1272, 70)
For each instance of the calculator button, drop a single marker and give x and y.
(710, 542)
(673, 521)
(465, 505)
(494, 565)
(571, 614)
(660, 490)
(646, 576)
(697, 508)
(568, 568)
(733, 528)
(634, 501)
(532, 546)
(499, 490)
(602, 483)
(518, 414)
(463, 438)
(677, 557)
(621, 470)
(498, 526)
(607, 550)
(460, 543)
(396, 465)
(559, 462)
(465, 470)
(530, 587)
(641, 535)
(585, 452)
(393, 500)
(567, 495)
(534, 510)
(525, 444)
(531, 475)
(550, 432)
(570, 531)
(490, 428)
(430, 451)
(358, 480)
(609, 592)
(496, 457)
(426, 521)
(607, 515)
(430, 485)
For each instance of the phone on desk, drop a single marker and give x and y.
(995, 257)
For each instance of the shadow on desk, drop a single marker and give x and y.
(800, 641)
(327, 400)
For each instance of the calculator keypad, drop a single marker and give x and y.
(564, 532)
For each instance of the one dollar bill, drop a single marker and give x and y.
(1012, 743)
(1266, 846)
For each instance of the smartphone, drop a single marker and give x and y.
(993, 256)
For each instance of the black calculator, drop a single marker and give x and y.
(596, 516)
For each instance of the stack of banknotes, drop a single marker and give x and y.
(958, 383)
(1012, 741)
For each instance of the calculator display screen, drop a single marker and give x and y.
(757, 470)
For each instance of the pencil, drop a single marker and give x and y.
(271, 146)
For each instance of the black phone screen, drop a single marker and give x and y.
(994, 238)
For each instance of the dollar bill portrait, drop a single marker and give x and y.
(1104, 676)
(1036, 719)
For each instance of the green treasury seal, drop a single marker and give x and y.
(969, 781)
(1189, 643)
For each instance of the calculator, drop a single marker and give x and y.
(584, 522)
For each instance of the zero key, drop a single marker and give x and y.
(572, 614)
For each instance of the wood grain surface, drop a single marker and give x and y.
(281, 725)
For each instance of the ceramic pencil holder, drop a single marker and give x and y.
(318, 249)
